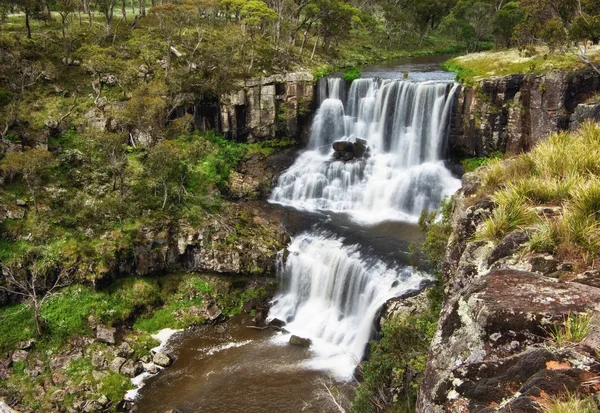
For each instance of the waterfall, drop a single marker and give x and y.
(331, 292)
(404, 124)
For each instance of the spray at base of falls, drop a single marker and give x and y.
(405, 125)
(331, 292)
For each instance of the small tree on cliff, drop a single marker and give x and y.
(166, 166)
(34, 279)
(31, 165)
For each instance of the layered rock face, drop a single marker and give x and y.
(262, 108)
(492, 351)
(212, 247)
(512, 113)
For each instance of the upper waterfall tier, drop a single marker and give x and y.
(405, 126)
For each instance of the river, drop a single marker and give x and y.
(351, 223)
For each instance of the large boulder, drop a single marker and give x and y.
(487, 348)
(162, 359)
(300, 341)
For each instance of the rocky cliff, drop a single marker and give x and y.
(261, 108)
(493, 348)
(512, 113)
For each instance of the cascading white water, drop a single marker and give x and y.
(331, 292)
(405, 126)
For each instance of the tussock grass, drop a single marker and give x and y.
(570, 403)
(563, 170)
(573, 329)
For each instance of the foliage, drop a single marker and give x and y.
(396, 362)
(470, 164)
(561, 171)
(573, 329)
(569, 403)
(351, 73)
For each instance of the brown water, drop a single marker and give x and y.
(232, 368)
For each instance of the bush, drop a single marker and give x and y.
(350, 74)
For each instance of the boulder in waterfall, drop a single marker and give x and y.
(276, 323)
(348, 150)
(300, 341)
(348, 156)
(343, 146)
(360, 147)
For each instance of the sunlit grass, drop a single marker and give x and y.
(573, 329)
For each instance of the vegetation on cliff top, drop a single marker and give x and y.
(560, 173)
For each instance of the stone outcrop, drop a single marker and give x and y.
(584, 112)
(262, 108)
(512, 113)
(349, 150)
(492, 350)
(212, 247)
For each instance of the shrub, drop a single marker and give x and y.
(510, 214)
(573, 329)
(351, 73)
(569, 403)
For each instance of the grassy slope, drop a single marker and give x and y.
(476, 66)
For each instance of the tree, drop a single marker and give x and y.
(34, 279)
(255, 15)
(107, 7)
(505, 21)
(166, 166)
(111, 151)
(31, 165)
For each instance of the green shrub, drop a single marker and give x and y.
(510, 213)
(470, 164)
(114, 386)
(351, 73)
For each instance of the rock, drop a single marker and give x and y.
(103, 400)
(21, 203)
(544, 264)
(106, 334)
(151, 368)
(58, 378)
(300, 341)
(92, 407)
(5, 408)
(98, 375)
(348, 156)
(213, 311)
(488, 340)
(116, 364)
(161, 359)
(582, 113)
(26, 345)
(19, 355)
(125, 350)
(512, 243)
(99, 361)
(132, 369)
(343, 146)
(276, 323)
(220, 329)
(58, 396)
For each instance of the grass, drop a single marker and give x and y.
(470, 164)
(472, 67)
(573, 329)
(570, 403)
(561, 171)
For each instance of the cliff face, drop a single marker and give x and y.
(262, 108)
(512, 113)
(492, 350)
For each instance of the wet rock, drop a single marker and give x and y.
(132, 369)
(151, 368)
(300, 341)
(220, 329)
(162, 359)
(116, 364)
(276, 323)
(106, 334)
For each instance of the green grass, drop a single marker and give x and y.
(472, 67)
(16, 325)
(114, 386)
(351, 73)
(573, 329)
(470, 164)
(560, 171)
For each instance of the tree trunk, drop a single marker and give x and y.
(123, 10)
(39, 323)
(312, 56)
(142, 7)
(27, 25)
(164, 194)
